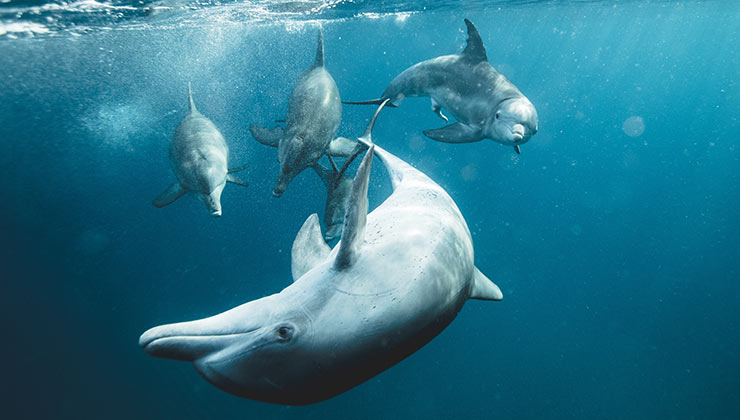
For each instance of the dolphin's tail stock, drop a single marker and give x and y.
(377, 101)
(396, 167)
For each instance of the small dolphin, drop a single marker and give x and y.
(395, 280)
(338, 187)
(484, 103)
(314, 113)
(199, 157)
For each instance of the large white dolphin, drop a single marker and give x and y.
(200, 159)
(395, 280)
(314, 113)
(484, 103)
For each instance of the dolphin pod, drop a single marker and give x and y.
(199, 157)
(395, 280)
(398, 275)
(484, 103)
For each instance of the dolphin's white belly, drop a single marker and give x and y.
(199, 154)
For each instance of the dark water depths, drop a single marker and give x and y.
(614, 235)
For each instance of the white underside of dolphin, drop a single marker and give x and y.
(396, 279)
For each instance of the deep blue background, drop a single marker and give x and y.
(618, 256)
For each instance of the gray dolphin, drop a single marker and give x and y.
(338, 187)
(199, 157)
(314, 113)
(484, 103)
(395, 280)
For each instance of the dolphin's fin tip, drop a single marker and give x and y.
(483, 288)
(267, 136)
(236, 180)
(309, 248)
(454, 133)
(168, 196)
(474, 49)
(377, 101)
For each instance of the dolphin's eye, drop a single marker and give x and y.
(284, 333)
(498, 115)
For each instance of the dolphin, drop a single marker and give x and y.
(395, 280)
(338, 187)
(314, 113)
(199, 157)
(484, 103)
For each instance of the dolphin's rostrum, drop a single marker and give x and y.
(199, 157)
(396, 279)
(484, 103)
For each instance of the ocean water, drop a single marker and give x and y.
(614, 236)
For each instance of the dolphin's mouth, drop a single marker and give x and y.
(187, 347)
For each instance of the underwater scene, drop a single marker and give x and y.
(339, 209)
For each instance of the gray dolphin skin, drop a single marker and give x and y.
(484, 103)
(395, 280)
(199, 157)
(338, 186)
(314, 113)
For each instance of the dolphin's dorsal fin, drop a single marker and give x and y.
(309, 248)
(319, 61)
(474, 50)
(484, 289)
(355, 218)
(191, 103)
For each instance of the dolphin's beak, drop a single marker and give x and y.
(518, 132)
(216, 213)
(162, 342)
(193, 340)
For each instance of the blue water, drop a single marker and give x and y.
(614, 235)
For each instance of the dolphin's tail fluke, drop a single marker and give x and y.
(372, 102)
(191, 103)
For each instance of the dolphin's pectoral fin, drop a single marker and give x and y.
(172, 193)
(437, 109)
(355, 217)
(309, 248)
(236, 180)
(517, 149)
(455, 133)
(267, 136)
(342, 147)
(474, 51)
(483, 288)
(238, 168)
